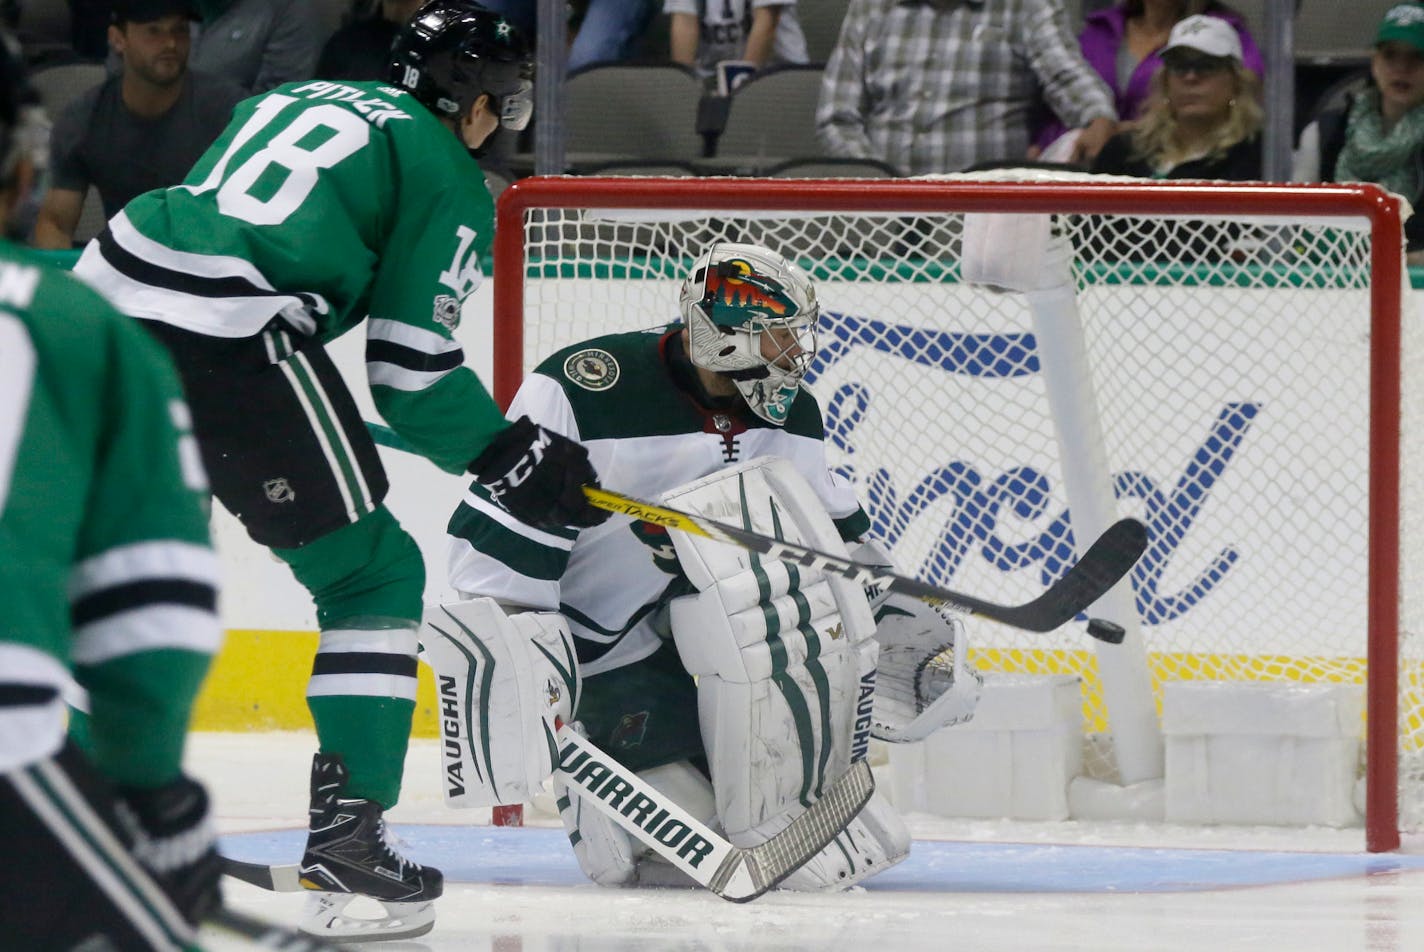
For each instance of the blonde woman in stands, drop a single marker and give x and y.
(1124, 44)
(1203, 119)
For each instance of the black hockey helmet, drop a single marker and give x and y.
(453, 51)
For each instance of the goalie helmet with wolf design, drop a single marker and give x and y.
(751, 315)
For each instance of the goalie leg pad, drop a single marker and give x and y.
(873, 842)
(775, 648)
(607, 853)
(769, 496)
(502, 681)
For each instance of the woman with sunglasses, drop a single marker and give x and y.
(1123, 43)
(1203, 118)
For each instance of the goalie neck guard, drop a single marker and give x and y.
(454, 51)
(751, 315)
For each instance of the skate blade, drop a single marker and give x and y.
(325, 917)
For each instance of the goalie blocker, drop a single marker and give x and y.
(503, 682)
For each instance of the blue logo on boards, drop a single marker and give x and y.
(1026, 492)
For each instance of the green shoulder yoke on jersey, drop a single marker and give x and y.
(617, 386)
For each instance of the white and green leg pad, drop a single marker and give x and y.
(502, 682)
(780, 653)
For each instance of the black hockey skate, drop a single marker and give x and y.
(348, 855)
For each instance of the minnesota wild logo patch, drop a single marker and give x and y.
(592, 369)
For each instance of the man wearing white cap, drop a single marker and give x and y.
(1203, 120)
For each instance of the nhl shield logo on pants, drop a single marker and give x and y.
(279, 490)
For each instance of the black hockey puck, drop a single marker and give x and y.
(1104, 630)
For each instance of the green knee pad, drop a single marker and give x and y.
(371, 569)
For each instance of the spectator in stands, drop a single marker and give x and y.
(140, 130)
(1124, 44)
(1379, 135)
(749, 33)
(608, 30)
(362, 48)
(932, 87)
(259, 44)
(1203, 118)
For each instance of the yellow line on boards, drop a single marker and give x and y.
(258, 681)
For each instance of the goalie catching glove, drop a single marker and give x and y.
(173, 838)
(924, 681)
(538, 476)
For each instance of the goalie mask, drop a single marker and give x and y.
(751, 315)
(454, 51)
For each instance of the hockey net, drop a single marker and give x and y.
(1240, 354)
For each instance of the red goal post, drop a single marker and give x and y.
(1184, 292)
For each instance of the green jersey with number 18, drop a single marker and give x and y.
(322, 204)
(105, 564)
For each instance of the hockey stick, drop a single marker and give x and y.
(734, 873)
(738, 874)
(1107, 560)
(1100, 568)
(284, 878)
(265, 935)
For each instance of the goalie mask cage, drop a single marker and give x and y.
(1221, 361)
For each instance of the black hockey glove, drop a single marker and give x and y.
(174, 840)
(538, 476)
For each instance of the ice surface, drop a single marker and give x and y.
(968, 885)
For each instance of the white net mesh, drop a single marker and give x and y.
(1229, 364)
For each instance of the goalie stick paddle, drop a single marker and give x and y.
(1107, 560)
(736, 874)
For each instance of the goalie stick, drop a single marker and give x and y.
(1107, 560)
(737, 874)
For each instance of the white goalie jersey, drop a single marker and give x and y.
(617, 396)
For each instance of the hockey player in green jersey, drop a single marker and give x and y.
(709, 415)
(321, 206)
(108, 580)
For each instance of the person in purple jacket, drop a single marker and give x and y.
(1124, 42)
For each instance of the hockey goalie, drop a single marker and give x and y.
(738, 686)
